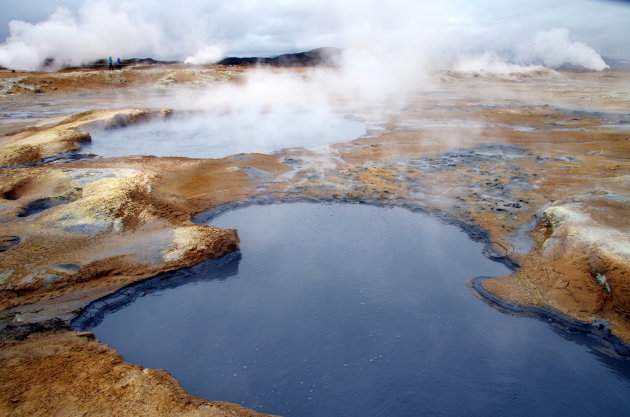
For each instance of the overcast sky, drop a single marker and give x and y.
(537, 30)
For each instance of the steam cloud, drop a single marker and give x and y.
(436, 33)
(554, 49)
(207, 55)
(388, 52)
(73, 39)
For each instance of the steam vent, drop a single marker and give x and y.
(423, 217)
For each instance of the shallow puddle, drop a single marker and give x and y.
(351, 310)
(41, 204)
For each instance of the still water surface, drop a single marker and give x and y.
(350, 310)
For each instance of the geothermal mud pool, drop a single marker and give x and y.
(217, 135)
(364, 312)
(533, 165)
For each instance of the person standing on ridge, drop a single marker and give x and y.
(111, 63)
(118, 63)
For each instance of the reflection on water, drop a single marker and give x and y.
(349, 310)
(210, 270)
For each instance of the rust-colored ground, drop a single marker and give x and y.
(540, 161)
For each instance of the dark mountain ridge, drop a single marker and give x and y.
(327, 56)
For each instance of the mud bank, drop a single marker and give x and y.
(540, 164)
(598, 329)
(69, 373)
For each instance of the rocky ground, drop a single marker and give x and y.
(536, 165)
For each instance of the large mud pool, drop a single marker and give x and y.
(352, 310)
(219, 134)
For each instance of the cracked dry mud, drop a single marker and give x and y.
(540, 162)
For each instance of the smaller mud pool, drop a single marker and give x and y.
(219, 134)
(351, 310)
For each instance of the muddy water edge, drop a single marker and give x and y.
(361, 303)
(553, 196)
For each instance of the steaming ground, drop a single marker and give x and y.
(217, 135)
(538, 158)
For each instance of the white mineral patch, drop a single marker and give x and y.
(601, 279)
(87, 176)
(559, 215)
(104, 192)
(576, 230)
(183, 238)
(7, 84)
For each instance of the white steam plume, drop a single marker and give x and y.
(488, 62)
(365, 78)
(555, 49)
(72, 39)
(209, 54)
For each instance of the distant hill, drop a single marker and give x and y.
(617, 64)
(327, 56)
(316, 57)
(103, 64)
